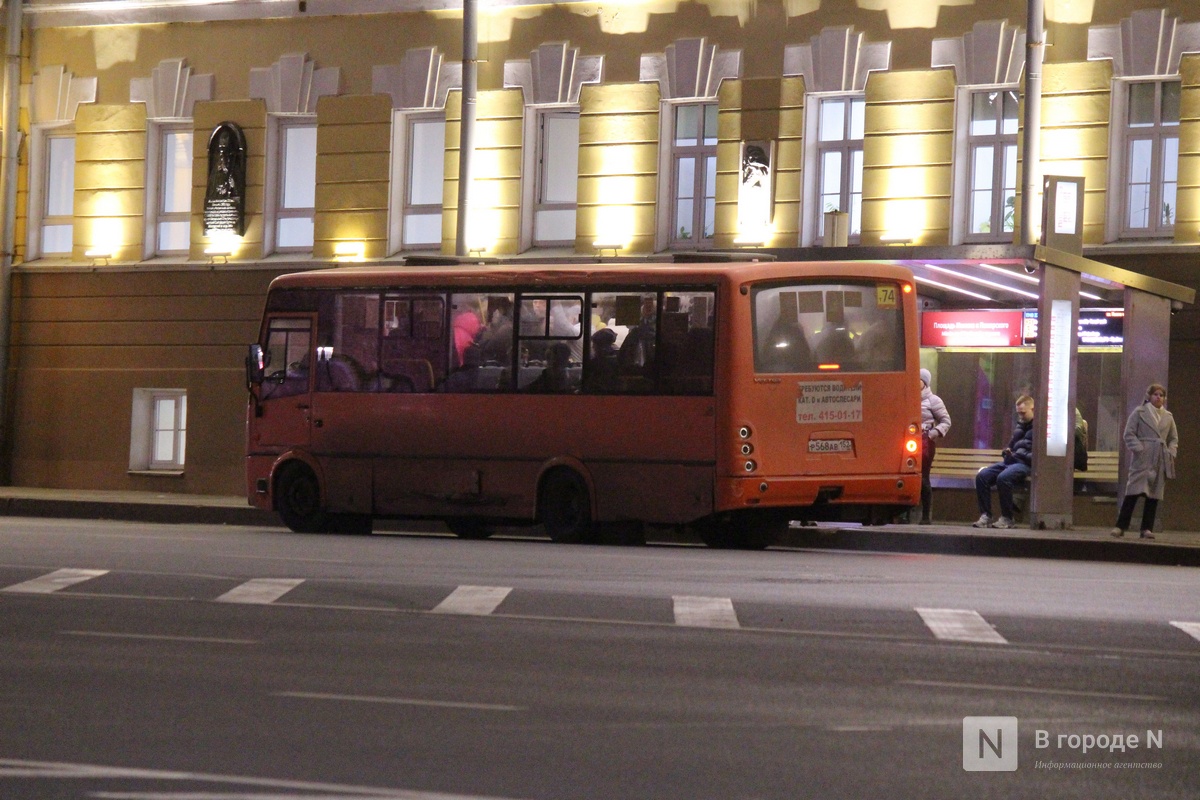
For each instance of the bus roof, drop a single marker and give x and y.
(622, 274)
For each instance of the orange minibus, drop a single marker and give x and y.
(730, 397)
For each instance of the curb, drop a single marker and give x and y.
(136, 512)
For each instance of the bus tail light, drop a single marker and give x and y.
(750, 466)
(747, 448)
(911, 445)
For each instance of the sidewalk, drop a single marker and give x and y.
(1180, 548)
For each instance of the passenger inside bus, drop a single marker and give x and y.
(785, 348)
(557, 377)
(602, 369)
(467, 377)
(496, 340)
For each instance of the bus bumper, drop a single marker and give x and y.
(764, 492)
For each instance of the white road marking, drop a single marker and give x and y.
(960, 625)
(281, 789)
(59, 579)
(474, 600)
(1190, 628)
(987, 687)
(399, 701)
(260, 590)
(157, 637)
(705, 612)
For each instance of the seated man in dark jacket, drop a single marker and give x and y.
(1005, 476)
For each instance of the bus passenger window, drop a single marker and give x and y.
(287, 357)
(413, 348)
(348, 332)
(685, 344)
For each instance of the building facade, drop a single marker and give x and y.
(631, 131)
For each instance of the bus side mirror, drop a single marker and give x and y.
(256, 365)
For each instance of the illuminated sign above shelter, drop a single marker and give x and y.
(1098, 327)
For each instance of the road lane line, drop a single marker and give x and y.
(959, 625)
(1190, 628)
(474, 600)
(158, 638)
(54, 581)
(705, 612)
(987, 687)
(399, 701)
(260, 591)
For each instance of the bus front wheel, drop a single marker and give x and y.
(298, 499)
(564, 507)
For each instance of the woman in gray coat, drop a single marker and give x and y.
(1153, 441)
(935, 424)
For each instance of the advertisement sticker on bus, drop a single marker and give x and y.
(828, 401)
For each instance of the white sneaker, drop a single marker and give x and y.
(984, 521)
(1004, 523)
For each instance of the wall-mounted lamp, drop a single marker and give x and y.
(223, 244)
(346, 252)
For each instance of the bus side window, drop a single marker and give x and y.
(413, 348)
(288, 352)
(685, 344)
(348, 335)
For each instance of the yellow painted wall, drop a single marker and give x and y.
(354, 141)
(789, 163)
(1076, 103)
(908, 149)
(618, 167)
(1187, 219)
(496, 203)
(110, 180)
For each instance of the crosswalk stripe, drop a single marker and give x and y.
(260, 590)
(475, 600)
(1190, 628)
(705, 612)
(960, 625)
(59, 579)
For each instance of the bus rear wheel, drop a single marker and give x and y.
(564, 507)
(298, 499)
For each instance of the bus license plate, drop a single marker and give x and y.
(831, 445)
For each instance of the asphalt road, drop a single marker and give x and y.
(204, 662)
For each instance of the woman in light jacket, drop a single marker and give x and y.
(935, 424)
(1153, 441)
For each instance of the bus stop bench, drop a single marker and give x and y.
(955, 468)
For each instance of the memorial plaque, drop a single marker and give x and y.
(225, 195)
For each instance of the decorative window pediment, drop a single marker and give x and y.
(55, 95)
(836, 60)
(691, 69)
(1147, 43)
(293, 83)
(171, 91)
(554, 73)
(992, 53)
(420, 81)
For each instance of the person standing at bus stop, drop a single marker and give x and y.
(1005, 475)
(935, 424)
(1153, 442)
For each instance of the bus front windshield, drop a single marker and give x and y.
(821, 326)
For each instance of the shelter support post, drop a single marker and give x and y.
(1052, 486)
(1145, 357)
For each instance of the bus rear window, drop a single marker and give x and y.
(837, 327)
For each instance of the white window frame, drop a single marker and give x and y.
(546, 160)
(146, 426)
(278, 126)
(966, 144)
(850, 178)
(402, 175)
(1117, 226)
(40, 190)
(157, 173)
(705, 156)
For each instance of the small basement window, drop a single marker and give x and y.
(158, 430)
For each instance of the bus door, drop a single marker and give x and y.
(285, 395)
